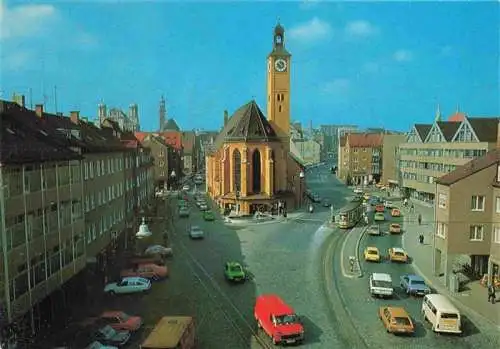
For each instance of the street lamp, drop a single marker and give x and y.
(301, 178)
(144, 231)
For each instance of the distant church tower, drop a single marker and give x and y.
(162, 113)
(133, 115)
(102, 112)
(278, 86)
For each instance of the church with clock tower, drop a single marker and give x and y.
(249, 166)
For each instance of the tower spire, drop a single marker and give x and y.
(438, 113)
(162, 113)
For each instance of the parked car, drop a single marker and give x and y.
(121, 321)
(147, 271)
(185, 187)
(414, 285)
(358, 190)
(395, 228)
(278, 320)
(203, 206)
(159, 250)
(379, 208)
(372, 254)
(208, 216)
(379, 216)
(233, 271)
(396, 320)
(195, 232)
(397, 254)
(388, 204)
(128, 285)
(108, 335)
(99, 345)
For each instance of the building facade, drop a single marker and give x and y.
(390, 159)
(127, 122)
(190, 152)
(433, 150)
(467, 215)
(309, 150)
(64, 210)
(250, 167)
(360, 160)
(159, 151)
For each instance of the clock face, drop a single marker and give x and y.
(280, 65)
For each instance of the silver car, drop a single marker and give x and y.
(196, 233)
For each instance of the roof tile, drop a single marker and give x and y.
(365, 140)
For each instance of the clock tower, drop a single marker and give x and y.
(278, 86)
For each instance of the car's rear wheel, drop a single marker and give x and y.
(111, 293)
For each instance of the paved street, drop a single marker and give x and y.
(363, 307)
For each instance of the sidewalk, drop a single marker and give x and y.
(473, 301)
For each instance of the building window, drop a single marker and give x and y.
(442, 198)
(496, 234)
(279, 109)
(477, 203)
(497, 204)
(236, 170)
(441, 230)
(476, 233)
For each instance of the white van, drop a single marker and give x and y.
(381, 285)
(441, 313)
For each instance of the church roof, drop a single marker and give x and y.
(171, 125)
(250, 124)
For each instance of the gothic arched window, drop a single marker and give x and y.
(236, 170)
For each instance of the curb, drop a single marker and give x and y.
(359, 274)
(442, 290)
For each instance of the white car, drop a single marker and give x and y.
(388, 204)
(196, 233)
(186, 187)
(128, 285)
(159, 249)
(381, 285)
(374, 230)
(358, 191)
(99, 345)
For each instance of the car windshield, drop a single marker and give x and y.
(417, 282)
(402, 321)
(287, 319)
(196, 229)
(372, 252)
(380, 283)
(399, 253)
(107, 332)
(235, 269)
(123, 317)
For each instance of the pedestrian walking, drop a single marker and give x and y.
(412, 208)
(421, 239)
(491, 294)
(419, 219)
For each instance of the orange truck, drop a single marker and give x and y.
(171, 332)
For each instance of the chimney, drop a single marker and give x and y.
(19, 99)
(74, 116)
(39, 110)
(226, 117)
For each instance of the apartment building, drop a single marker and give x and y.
(309, 151)
(160, 153)
(390, 156)
(433, 150)
(42, 221)
(468, 218)
(360, 158)
(189, 152)
(66, 216)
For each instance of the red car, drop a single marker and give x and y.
(147, 271)
(380, 208)
(278, 320)
(121, 321)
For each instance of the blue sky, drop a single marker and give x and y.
(374, 64)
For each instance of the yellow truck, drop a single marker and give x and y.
(171, 332)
